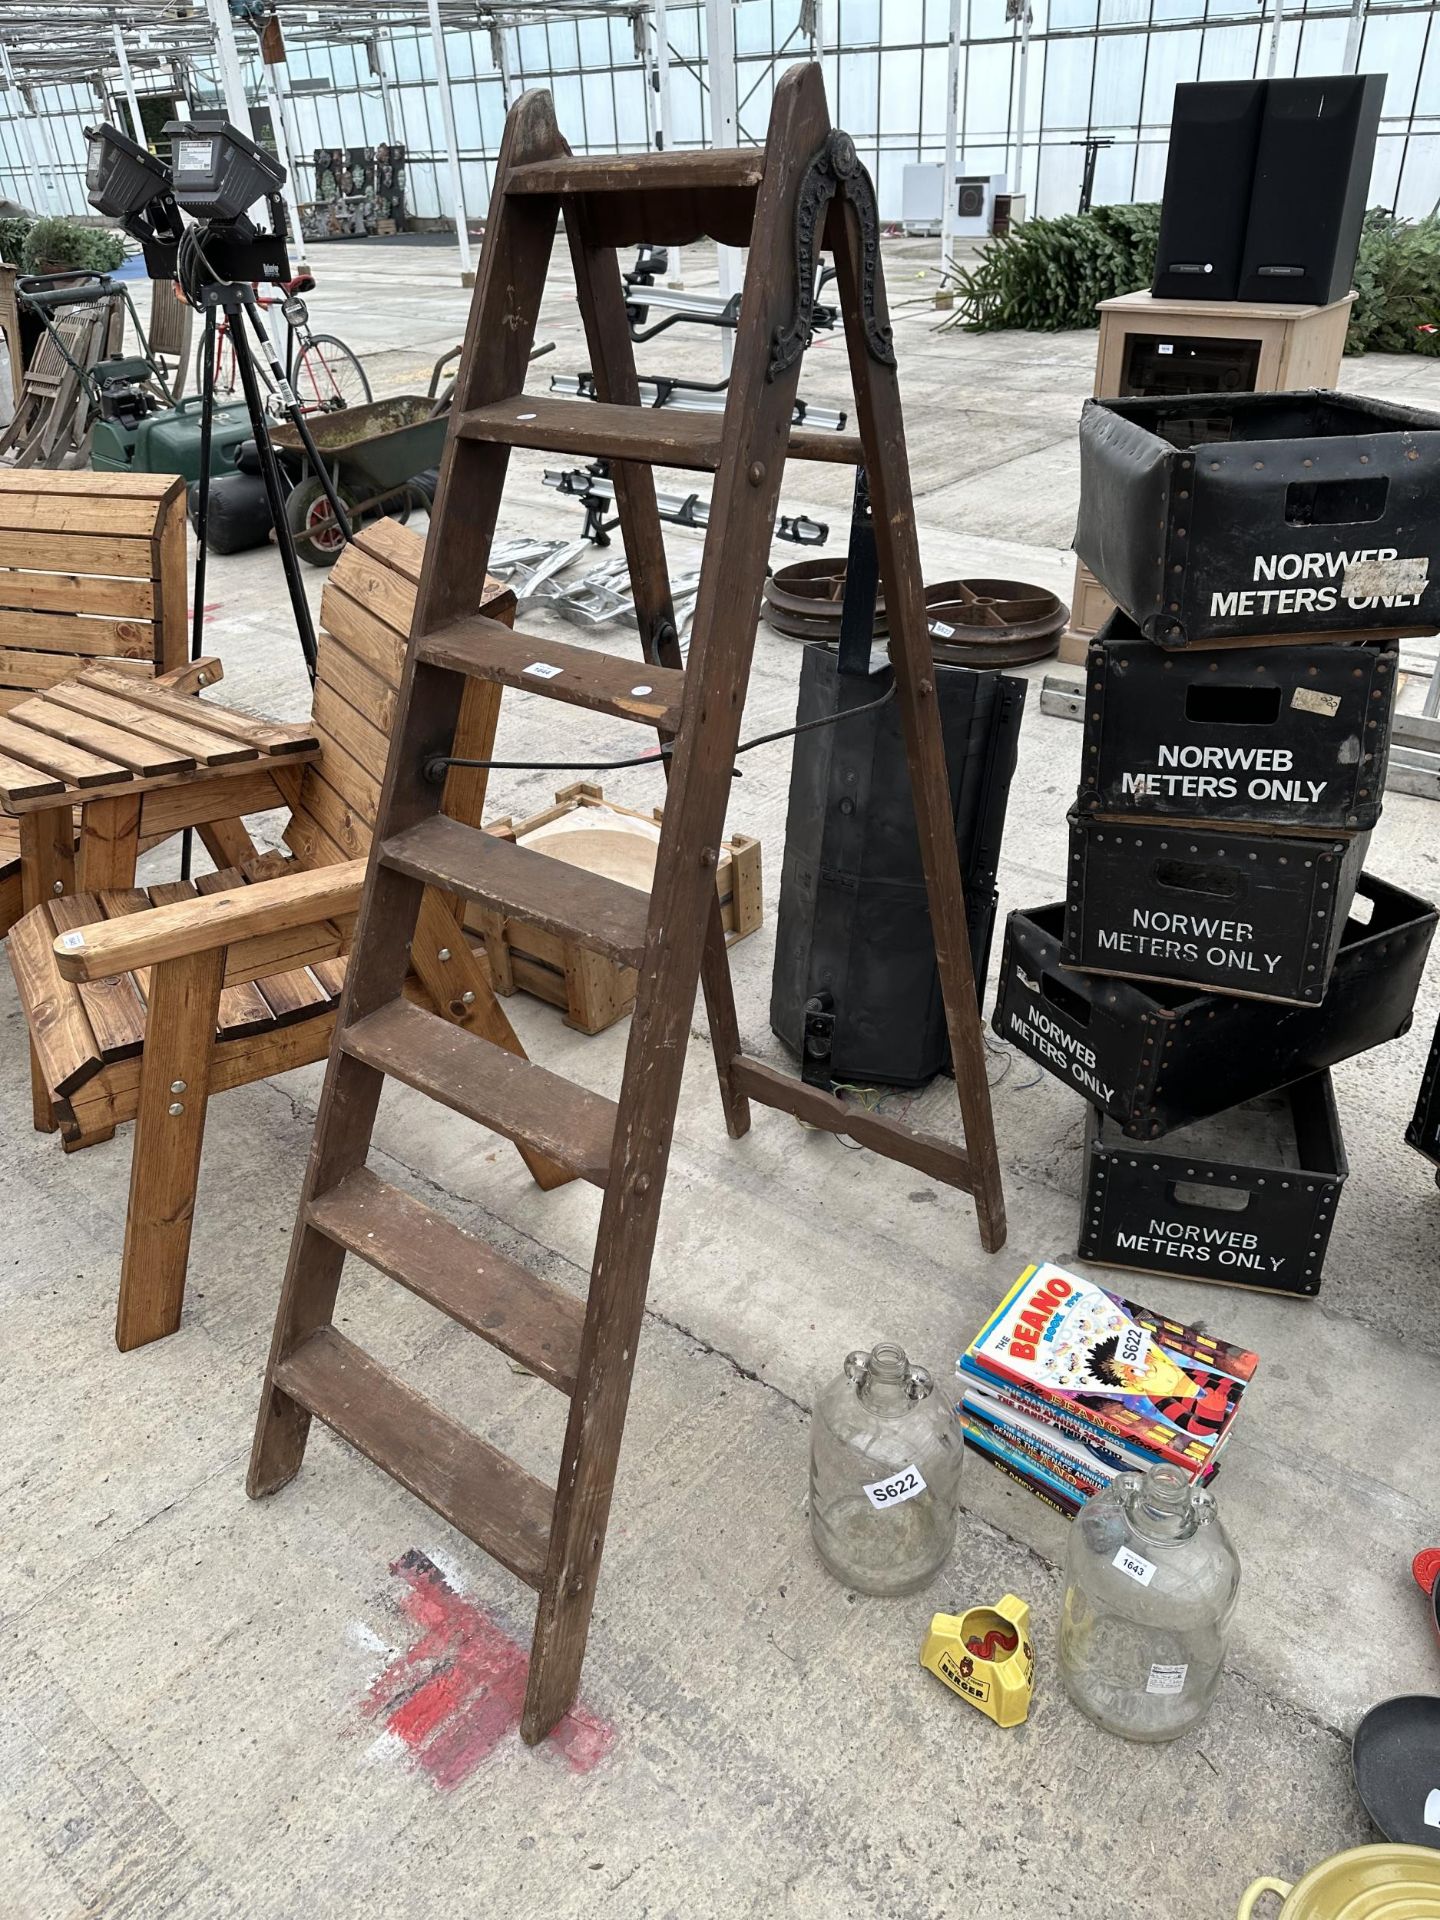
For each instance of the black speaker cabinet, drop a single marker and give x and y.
(1312, 175)
(855, 991)
(1214, 138)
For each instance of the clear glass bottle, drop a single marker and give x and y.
(1151, 1579)
(885, 1453)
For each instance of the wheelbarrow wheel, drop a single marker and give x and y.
(318, 539)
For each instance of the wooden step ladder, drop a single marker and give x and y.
(804, 189)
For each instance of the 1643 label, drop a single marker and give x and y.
(1134, 1566)
(902, 1486)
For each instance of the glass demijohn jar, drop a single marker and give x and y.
(1151, 1579)
(885, 1456)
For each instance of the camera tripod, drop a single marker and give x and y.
(236, 299)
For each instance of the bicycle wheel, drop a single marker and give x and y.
(328, 377)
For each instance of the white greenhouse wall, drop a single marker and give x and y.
(1097, 67)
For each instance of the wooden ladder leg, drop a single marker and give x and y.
(498, 339)
(882, 433)
(169, 1131)
(742, 515)
(601, 298)
(47, 867)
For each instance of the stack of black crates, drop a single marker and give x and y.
(1221, 944)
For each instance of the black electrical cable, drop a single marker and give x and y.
(435, 768)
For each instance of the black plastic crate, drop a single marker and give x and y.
(1247, 913)
(1246, 1197)
(1157, 1057)
(1293, 737)
(1423, 1132)
(1237, 517)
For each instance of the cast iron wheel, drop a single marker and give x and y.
(993, 623)
(997, 623)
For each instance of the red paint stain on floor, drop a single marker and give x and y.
(457, 1691)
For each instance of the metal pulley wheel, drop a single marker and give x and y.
(996, 623)
(973, 623)
(802, 601)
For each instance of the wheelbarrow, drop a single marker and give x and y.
(383, 459)
(379, 457)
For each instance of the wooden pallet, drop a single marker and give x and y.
(804, 190)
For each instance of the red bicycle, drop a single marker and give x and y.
(325, 374)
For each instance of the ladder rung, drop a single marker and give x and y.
(926, 1152)
(675, 172)
(660, 437)
(603, 682)
(568, 901)
(535, 1322)
(486, 1495)
(503, 1091)
(599, 429)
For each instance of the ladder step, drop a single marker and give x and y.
(598, 429)
(659, 436)
(603, 682)
(503, 1091)
(678, 172)
(571, 902)
(476, 1488)
(533, 1321)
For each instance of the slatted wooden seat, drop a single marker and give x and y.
(142, 1002)
(92, 567)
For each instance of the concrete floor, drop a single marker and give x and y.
(199, 1717)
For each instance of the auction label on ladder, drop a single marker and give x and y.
(884, 1494)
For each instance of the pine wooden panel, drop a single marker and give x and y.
(127, 749)
(122, 491)
(226, 794)
(112, 1096)
(362, 631)
(349, 734)
(76, 593)
(60, 1031)
(87, 553)
(71, 633)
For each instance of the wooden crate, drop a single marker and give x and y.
(596, 992)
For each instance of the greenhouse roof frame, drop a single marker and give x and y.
(70, 39)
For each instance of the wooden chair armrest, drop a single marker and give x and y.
(195, 674)
(213, 920)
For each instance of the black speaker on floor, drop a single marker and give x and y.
(1312, 177)
(855, 991)
(1214, 139)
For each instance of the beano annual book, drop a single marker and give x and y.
(1146, 1380)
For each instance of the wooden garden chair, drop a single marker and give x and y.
(162, 997)
(92, 567)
